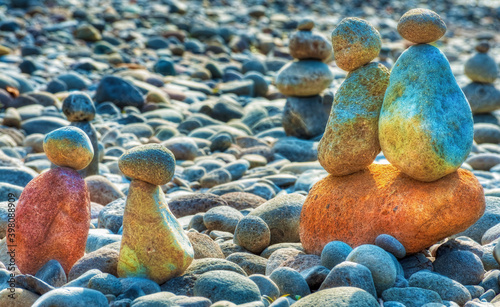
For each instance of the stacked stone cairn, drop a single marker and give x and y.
(80, 111)
(423, 125)
(53, 212)
(306, 112)
(153, 245)
(482, 69)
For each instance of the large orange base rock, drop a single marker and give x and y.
(357, 208)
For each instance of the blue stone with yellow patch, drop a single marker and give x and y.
(425, 125)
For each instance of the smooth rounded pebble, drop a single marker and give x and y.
(223, 218)
(391, 245)
(226, 285)
(78, 106)
(69, 147)
(282, 215)
(421, 26)
(462, 266)
(334, 253)
(447, 288)
(303, 78)
(355, 43)
(379, 262)
(151, 163)
(350, 274)
(266, 285)
(72, 296)
(290, 282)
(253, 234)
(481, 68)
(339, 297)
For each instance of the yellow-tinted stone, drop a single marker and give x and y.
(154, 245)
(355, 43)
(350, 142)
(421, 26)
(68, 146)
(152, 163)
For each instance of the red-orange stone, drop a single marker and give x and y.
(52, 220)
(378, 200)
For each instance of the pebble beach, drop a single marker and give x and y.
(255, 153)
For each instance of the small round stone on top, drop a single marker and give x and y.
(78, 107)
(355, 43)
(306, 24)
(421, 26)
(69, 147)
(483, 47)
(152, 163)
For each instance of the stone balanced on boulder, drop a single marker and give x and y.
(425, 131)
(306, 112)
(350, 142)
(482, 69)
(53, 212)
(80, 111)
(153, 244)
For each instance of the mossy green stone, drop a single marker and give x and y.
(350, 142)
(154, 245)
(152, 163)
(425, 125)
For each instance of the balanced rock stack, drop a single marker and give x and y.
(80, 111)
(425, 131)
(53, 212)
(350, 142)
(153, 245)
(482, 69)
(306, 112)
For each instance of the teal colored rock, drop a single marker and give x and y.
(350, 142)
(425, 125)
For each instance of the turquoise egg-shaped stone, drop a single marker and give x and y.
(425, 125)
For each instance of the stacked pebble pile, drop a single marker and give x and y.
(306, 112)
(482, 70)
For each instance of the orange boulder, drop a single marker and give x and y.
(378, 200)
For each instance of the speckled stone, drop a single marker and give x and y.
(68, 146)
(253, 234)
(303, 78)
(154, 245)
(309, 45)
(421, 26)
(355, 43)
(335, 206)
(52, 220)
(78, 106)
(152, 163)
(425, 125)
(350, 142)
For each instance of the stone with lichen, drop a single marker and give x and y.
(421, 26)
(153, 245)
(152, 163)
(350, 142)
(355, 43)
(68, 146)
(425, 125)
